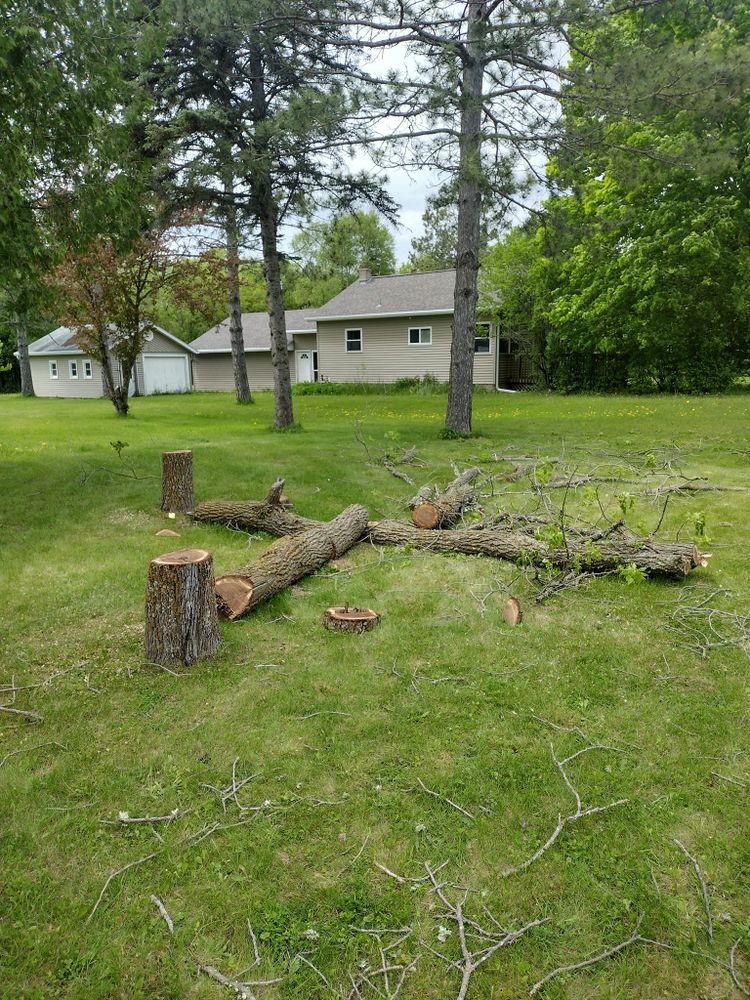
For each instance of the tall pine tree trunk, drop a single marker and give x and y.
(239, 365)
(461, 377)
(282, 381)
(22, 337)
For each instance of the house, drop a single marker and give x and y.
(60, 367)
(212, 364)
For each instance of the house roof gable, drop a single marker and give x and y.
(256, 332)
(419, 293)
(63, 340)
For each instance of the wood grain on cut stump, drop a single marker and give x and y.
(512, 611)
(177, 482)
(181, 619)
(348, 619)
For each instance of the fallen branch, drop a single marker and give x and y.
(442, 798)
(163, 911)
(268, 515)
(634, 938)
(120, 871)
(580, 812)
(444, 509)
(704, 888)
(37, 746)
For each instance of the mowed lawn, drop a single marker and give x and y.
(339, 731)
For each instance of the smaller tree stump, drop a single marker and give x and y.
(512, 611)
(182, 624)
(348, 619)
(177, 482)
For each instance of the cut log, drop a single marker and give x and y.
(446, 508)
(177, 482)
(271, 515)
(181, 618)
(288, 560)
(348, 619)
(668, 559)
(512, 611)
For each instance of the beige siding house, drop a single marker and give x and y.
(59, 367)
(212, 364)
(384, 328)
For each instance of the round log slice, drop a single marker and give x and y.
(348, 619)
(512, 611)
(181, 620)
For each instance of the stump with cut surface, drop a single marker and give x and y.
(445, 509)
(512, 611)
(181, 618)
(288, 560)
(177, 482)
(348, 619)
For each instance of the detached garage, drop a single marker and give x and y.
(59, 367)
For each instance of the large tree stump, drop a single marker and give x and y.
(288, 560)
(348, 619)
(271, 514)
(445, 509)
(181, 618)
(177, 482)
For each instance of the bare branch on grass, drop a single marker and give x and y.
(164, 914)
(120, 871)
(704, 888)
(443, 798)
(37, 746)
(580, 812)
(634, 938)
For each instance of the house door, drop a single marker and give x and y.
(305, 371)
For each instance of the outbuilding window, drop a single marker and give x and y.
(482, 338)
(353, 341)
(420, 335)
(53, 369)
(88, 370)
(73, 369)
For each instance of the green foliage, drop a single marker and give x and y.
(631, 573)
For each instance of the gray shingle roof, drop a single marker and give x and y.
(256, 331)
(393, 294)
(60, 341)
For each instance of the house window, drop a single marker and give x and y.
(507, 345)
(53, 369)
(88, 369)
(353, 341)
(73, 369)
(420, 335)
(316, 374)
(482, 338)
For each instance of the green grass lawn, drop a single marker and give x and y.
(339, 730)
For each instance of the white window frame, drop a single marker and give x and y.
(73, 369)
(88, 369)
(347, 348)
(420, 342)
(488, 338)
(53, 370)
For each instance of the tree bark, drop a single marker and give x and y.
(287, 560)
(667, 559)
(22, 338)
(446, 508)
(256, 515)
(461, 377)
(282, 381)
(181, 619)
(236, 339)
(177, 482)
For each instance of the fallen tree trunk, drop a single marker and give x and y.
(446, 508)
(287, 560)
(269, 515)
(667, 559)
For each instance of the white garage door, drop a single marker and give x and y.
(165, 373)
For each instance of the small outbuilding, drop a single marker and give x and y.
(60, 366)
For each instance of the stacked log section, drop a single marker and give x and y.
(181, 617)
(346, 619)
(288, 560)
(177, 482)
(445, 509)
(667, 559)
(271, 515)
